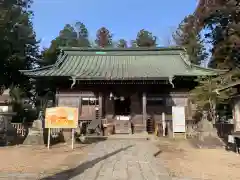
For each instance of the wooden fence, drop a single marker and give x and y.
(22, 130)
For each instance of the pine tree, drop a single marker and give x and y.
(205, 96)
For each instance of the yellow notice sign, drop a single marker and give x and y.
(61, 117)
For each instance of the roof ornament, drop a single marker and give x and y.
(170, 79)
(61, 52)
(185, 57)
(74, 82)
(217, 91)
(111, 96)
(60, 60)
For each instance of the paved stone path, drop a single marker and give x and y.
(112, 160)
(121, 160)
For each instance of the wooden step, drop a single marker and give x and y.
(122, 127)
(138, 128)
(180, 135)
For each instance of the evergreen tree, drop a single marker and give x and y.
(188, 37)
(133, 44)
(18, 45)
(69, 36)
(224, 25)
(205, 96)
(146, 39)
(122, 43)
(222, 22)
(82, 35)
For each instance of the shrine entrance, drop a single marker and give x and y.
(122, 112)
(122, 106)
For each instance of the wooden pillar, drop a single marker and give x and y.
(100, 101)
(144, 109)
(163, 123)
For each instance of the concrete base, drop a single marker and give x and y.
(34, 138)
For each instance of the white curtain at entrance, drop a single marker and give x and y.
(178, 118)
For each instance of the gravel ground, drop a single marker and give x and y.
(184, 160)
(31, 162)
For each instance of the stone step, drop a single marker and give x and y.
(140, 136)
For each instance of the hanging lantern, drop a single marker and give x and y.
(110, 95)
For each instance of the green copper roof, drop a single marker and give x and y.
(121, 64)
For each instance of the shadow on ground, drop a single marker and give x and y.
(207, 143)
(67, 174)
(90, 139)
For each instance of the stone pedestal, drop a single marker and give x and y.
(67, 136)
(36, 134)
(206, 128)
(34, 137)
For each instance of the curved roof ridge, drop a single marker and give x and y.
(170, 48)
(185, 57)
(37, 69)
(60, 60)
(210, 69)
(87, 65)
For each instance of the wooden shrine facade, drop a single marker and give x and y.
(123, 87)
(132, 104)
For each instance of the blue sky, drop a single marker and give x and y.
(123, 18)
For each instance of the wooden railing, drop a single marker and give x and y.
(55, 132)
(21, 129)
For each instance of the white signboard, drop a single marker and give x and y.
(4, 108)
(178, 119)
(123, 118)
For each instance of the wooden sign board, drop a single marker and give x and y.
(61, 117)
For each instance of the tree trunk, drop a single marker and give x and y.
(212, 110)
